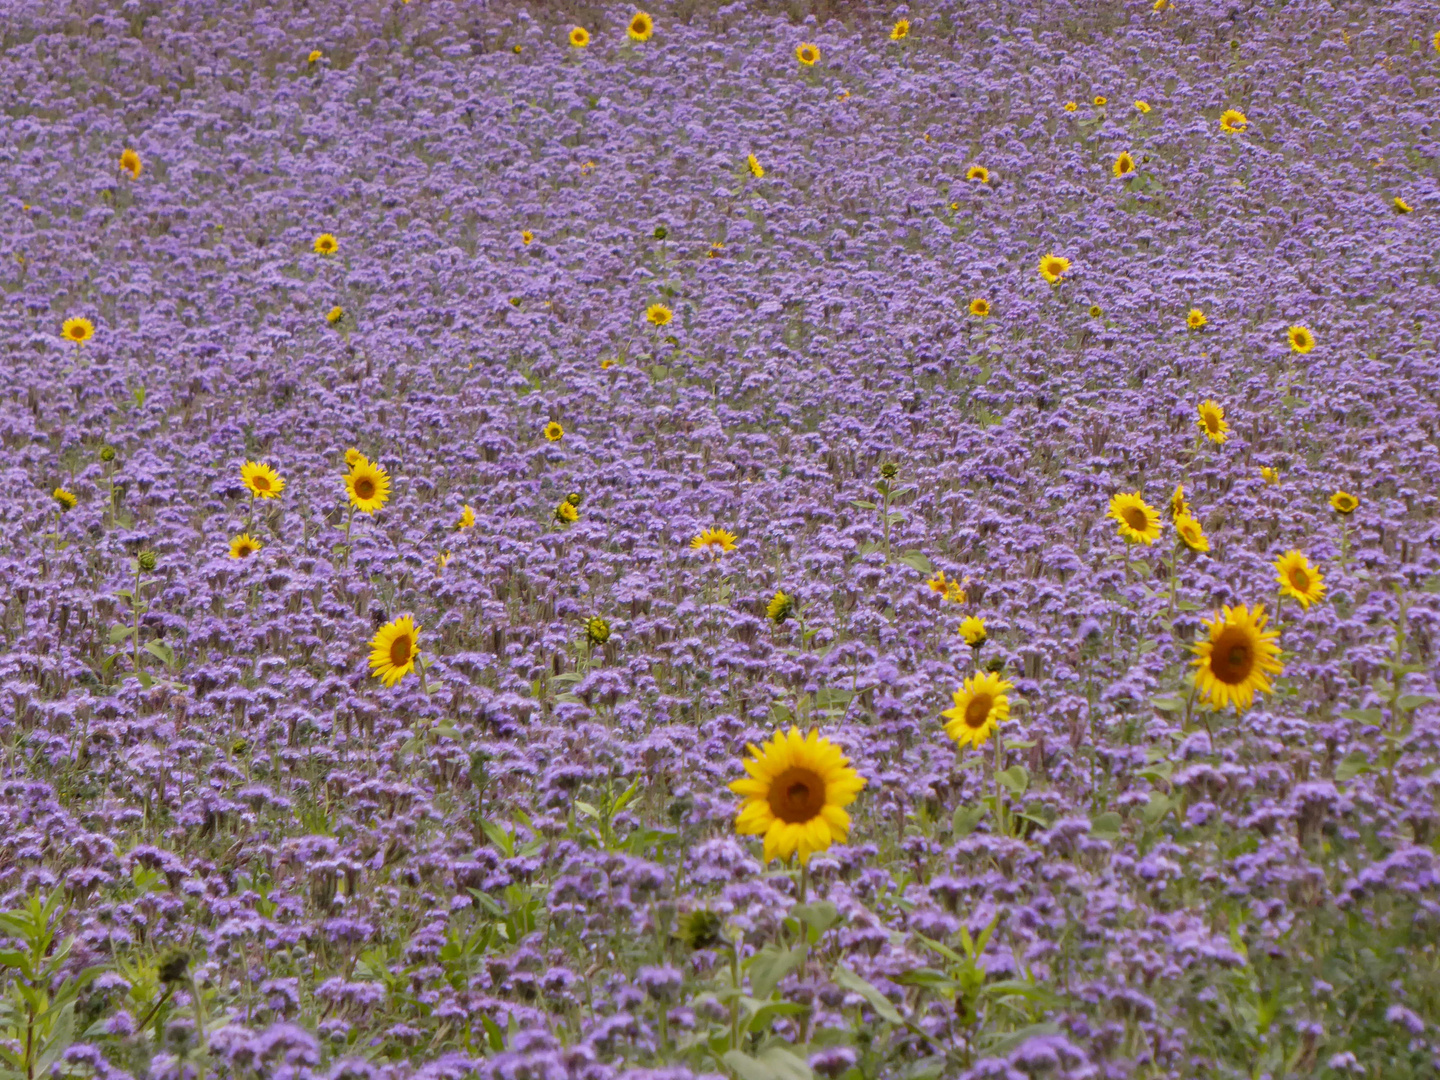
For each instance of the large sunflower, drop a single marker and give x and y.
(1343, 502)
(1233, 121)
(326, 244)
(980, 307)
(130, 162)
(1301, 339)
(394, 650)
(1124, 164)
(1191, 533)
(981, 705)
(243, 546)
(368, 486)
(807, 54)
(1237, 658)
(714, 541)
(261, 480)
(1212, 421)
(641, 26)
(77, 330)
(1139, 521)
(1299, 579)
(1053, 266)
(795, 794)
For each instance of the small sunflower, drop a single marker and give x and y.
(526, 237)
(980, 307)
(441, 561)
(938, 582)
(394, 650)
(1178, 505)
(1212, 421)
(981, 705)
(597, 630)
(1139, 522)
(1052, 267)
(1400, 205)
(641, 27)
(1233, 121)
(1269, 474)
(978, 172)
(334, 315)
(353, 457)
(780, 608)
(1435, 41)
(900, 31)
(807, 54)
(315, 56)
(565, 512)
(368, 486)
(713, 541)
(579, 37)
(1095, 311)
(66, 499)
(1124, 164)
(1070, 106)
(77, 330)
(1189, 531)
(658, 315)
(1301, 339)
(972, 629)
(955, 592)
(1299, 579)
(1237, 657)
(795, 794)
(467, 517)
(1342, 502)
(243, 546)
(1101, 101)
(261, 480)
(1142, 107)
(1196, 319)
(554, 431)
(130, 162)
(326, 244)
(756, 169)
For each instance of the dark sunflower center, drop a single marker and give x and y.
(1135, 518)
(1212, 421)
(400, 651)
(261, 482)
(797, 795)
(1232, 657)
(1054, 268)
(364, 488)
(978, 711)
(244, 551)
(1299, 579)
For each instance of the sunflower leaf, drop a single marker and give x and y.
(1354, 764)
(883, 1006)
(1014, 779)
(771, 964)
(1106, 826)
(1365, 716)
(966, 819)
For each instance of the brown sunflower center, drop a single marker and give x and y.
(978, 711)
(1212, 422)
(637, 24)
(1135, 518)
(261, 482)
(1232, 657)
(1053, 267)
(400, 651)
(797, 795)
(364, 488)
(1299, 579)
(244, 551)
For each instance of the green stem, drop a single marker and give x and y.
(135, 613)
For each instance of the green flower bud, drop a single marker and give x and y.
(148, 560)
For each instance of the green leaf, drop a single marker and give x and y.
(819, 916)
(772, 1064)
(926, 1068)
(1003, 1044)
(966, 819)
(1168, 703)
(763, 1013)
(588, 810)
(833, 697)
(1019, 744)
(862, 504)
(1354, 764)
(1412, 701)
(883, 1006)
(1014, 779)
(1155, 810)
(1365, 716)
(771, 964)
(624, 800)
(1106, 826)
(120, 633)
(916, 561)
(493, 1033)
(499, 837)
(894, 517)
(161, 652)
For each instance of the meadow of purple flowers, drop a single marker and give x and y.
(603, 297)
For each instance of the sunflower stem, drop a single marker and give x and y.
(1000, 809)
(420, 670)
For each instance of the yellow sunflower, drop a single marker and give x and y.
(261, 480)
(1212, 421)
(1196, 319)
(900, 31)
(972, 629)
(1139, 522)
(579, 37)
(467, 518)
(1400, 205)
(66, 499)
(714, 541)
(955, 592)
(1178, 505)
(554, 431)
(1101, 101)
(807, 54)
(314, 57)
(795, 794)
(937, 582)
(780, 608)
(394, 650)
(130, 162)
(353, 457)
(1233, 121)
(326, 244)
(335, 314)
(756, 169)
(77, 330)
(1343, 502)
(1052, 267)
(526, 237)
(658, 314)
(1070, 106)
(978, 172)
(1269, 475)
(641, 27)
(441, 561)
(1301, 339)
(980, 307)
(368, 486)
(1142, 107)
(1299, 579)
(243, 546)
(981, 705)
(565, 512)
(1191, 533)
(1237, 658)
(1124, 164)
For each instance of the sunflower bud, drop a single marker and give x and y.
(597, 630)
(148, 560)
(661, 232)
(174, 966)
(107, 453)
(889, 470)
(780, 608)
(573, 498)
(700, 929)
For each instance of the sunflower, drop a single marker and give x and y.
(900, 31)
(326, 244)
(1237, 658)
(526, 237)
(641, 27)
(1196, 319)
(315, 56)
(394, 650)
(335, 314)
(1212, 421)
(756, 169)
(1301, 339)
(980, 307)
(579, 37)
(780, 608)
(243, 546)
(1139, 522)
(937, 582)
(1070, 106)
(441, 561)
(1269, 474)
(1095, 311)
(981, 705)
(554, 431)
(261, 480)
(467, 518)
(1052, 267)
(66, 499)
(807, 54)
(658, 314)
(955, 592)
(714, 541)
(1436, 41)
(1299, 579)
(353, 457)
(1142, 107)
(978, 172)
(368, 486)
(1191, 533)
(972, 630)
(795, 794)
(1342, 502)
(77, 330)
(1178, 505)
(1124, 164)
(1400, 205)
(565, 512)
(130, 162)
(1233, 121)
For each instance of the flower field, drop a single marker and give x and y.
(764, 540)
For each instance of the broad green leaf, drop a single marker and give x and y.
(1014, 779)
(818, 916)
(1354, 764)
(1106, 826)
(883, 1006)
(1412, 701)
(120, 633)
(966, 819)
(771, 964)
(1155, 810)
(161, 652)
(916, 561)
(862, 504)
(1365, 716)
